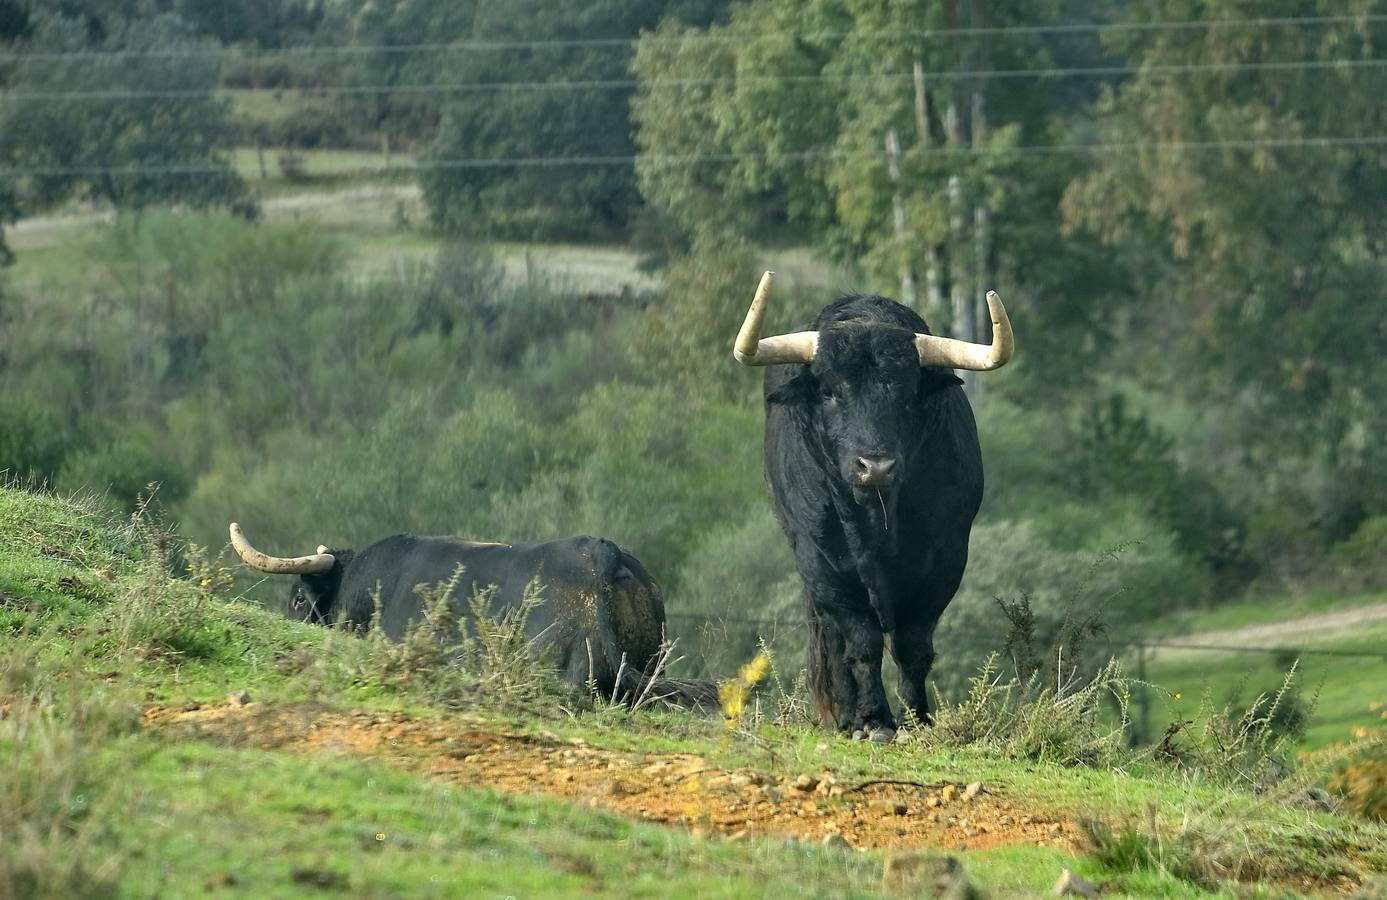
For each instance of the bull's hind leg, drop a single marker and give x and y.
(845, 650)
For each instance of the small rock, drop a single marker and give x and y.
(887, 808)
(947, 795)
(973, 790)
(771, 793)
(806, 783)
(739, 835)
(837, 841)
(220, 880)
(1056, 829)
(821, 747)
(917, 874)
(238, 698)
(932, 801)
(1071, 885)
(739, 781)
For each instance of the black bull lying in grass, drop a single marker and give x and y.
(601, 620)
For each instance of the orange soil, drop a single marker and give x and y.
(673, 789)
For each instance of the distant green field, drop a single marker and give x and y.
(271, 171)
(1347, 686)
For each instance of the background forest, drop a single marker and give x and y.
(337, 269)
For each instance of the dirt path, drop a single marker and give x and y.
(1273, 632)
(672, 789)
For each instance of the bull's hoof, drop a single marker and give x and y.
(881, 735)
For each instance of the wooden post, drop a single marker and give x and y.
(893, 167)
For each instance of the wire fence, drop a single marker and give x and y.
(1135, 643)
(1345, 64)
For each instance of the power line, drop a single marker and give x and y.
(716, 38)
(626, 84)
(200, 168)
(1119, 642)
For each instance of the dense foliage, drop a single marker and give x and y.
(1183, 221)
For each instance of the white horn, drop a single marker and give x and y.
(952, 354)
(753, 350)
(299, 565)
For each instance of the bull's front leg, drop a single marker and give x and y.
(845, 652)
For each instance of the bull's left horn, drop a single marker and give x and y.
(278, 565)
(753, 350)
(952, 354)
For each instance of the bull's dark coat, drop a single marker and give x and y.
(874, 560)
(596, 595)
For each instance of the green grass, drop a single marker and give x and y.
(1347, 686)
(322, 169)
(173, 817)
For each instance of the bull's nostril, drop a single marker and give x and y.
(874, 470)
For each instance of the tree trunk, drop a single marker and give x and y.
(982, 216)
(934, 297)
(960, 284)
(893, 167)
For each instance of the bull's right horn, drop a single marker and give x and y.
(753, 350)
(299, 565)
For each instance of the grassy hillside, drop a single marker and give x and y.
(134, 774)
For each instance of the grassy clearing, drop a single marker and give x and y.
(90, 633)
(1347, 686)
(292, 171)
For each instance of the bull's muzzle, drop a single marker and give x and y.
(874, 471)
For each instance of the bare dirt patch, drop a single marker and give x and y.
(672, 789)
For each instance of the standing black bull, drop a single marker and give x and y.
(599, 601)
(875, 474)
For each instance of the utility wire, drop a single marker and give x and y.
(535, 162)
(626, 84)
(718, 38)
(1175, 644)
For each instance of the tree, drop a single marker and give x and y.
(1254, 203)
(775, 126)
(531, 120)
(117, 118)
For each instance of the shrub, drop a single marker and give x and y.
(1015, 559)
(120, 461)
(1363, 557)
(33, 442)
(735, 576)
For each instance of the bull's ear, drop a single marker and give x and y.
(798, 388)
